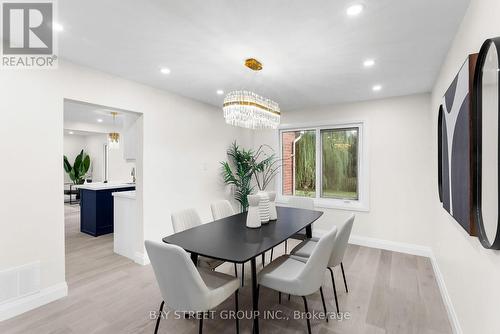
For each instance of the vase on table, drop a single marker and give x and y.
(273, 215)
(264, 207)
(253, 215)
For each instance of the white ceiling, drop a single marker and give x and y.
(82, 118)
(311, 50)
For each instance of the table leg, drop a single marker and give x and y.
(194, 258)
(255, 297)
(309, 231)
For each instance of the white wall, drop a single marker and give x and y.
(398, 141)
(471, 273)
(184, 141)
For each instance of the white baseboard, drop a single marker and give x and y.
(141, 258)
(413, 250)
(23, 304)
(452, 315)
(391, 245)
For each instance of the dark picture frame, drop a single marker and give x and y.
(477, 147)
(440, 153)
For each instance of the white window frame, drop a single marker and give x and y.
(362, 203)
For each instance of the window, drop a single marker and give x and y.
(324, 163)
(299, 163)
(339, 157)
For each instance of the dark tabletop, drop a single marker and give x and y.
(229, 239)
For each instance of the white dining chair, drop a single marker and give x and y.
(188, 218)
(299, 203)
(299, 276)
(185, 288)
(222, 209)
(305, 249)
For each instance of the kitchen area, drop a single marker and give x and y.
(102, 161)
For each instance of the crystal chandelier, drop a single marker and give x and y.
(114, 137)
(249, 110)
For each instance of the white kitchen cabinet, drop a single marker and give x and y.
(131, 142)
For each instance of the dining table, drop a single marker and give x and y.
(230, 240)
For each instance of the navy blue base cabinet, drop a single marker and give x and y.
(96, 210)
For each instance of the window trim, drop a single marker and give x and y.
(362, 203)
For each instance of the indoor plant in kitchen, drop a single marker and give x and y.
(78, 170)
(265, 167)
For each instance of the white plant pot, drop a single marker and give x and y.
(264, 207)
(273, 215)
(253, 215)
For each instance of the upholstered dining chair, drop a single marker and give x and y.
(188, 218)
(222, 209)
(305, 249)
(299, 276)
(187, 288)
(300, 203)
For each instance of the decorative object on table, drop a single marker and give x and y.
(238, 173)
(264, 207)
(273, 215)
(265, 167)
(114, 137)
(455, 165)
(249, 110)
(253, 215)
(79, 169)
(485, 132)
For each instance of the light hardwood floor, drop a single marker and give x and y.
(388, 293)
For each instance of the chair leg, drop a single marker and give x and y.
(289, 296)
(236, 308)
(258, 294)
(279, 297)
(200, 330)
(334, 289)
(324, 305)
(286, 246)
(263, 259)
(242, 274)
(159, 317)
(272, 252)
(307, 315)
(343, 274)
(235, 270)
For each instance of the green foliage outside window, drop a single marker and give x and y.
(340, 163)
(305, 164)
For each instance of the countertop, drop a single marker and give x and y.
(104, 186)
(125, 194)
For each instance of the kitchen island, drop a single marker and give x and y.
(128, 238)
(96, 206)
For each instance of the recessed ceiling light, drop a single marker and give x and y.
(165, 70)
(220, 92)
(99, 120)
(369, 63)
(355, 10)
(377, 88)
(71, 132)
(57, 27)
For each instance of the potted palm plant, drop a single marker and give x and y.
(238, 172)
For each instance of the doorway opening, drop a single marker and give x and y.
(102, 188)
